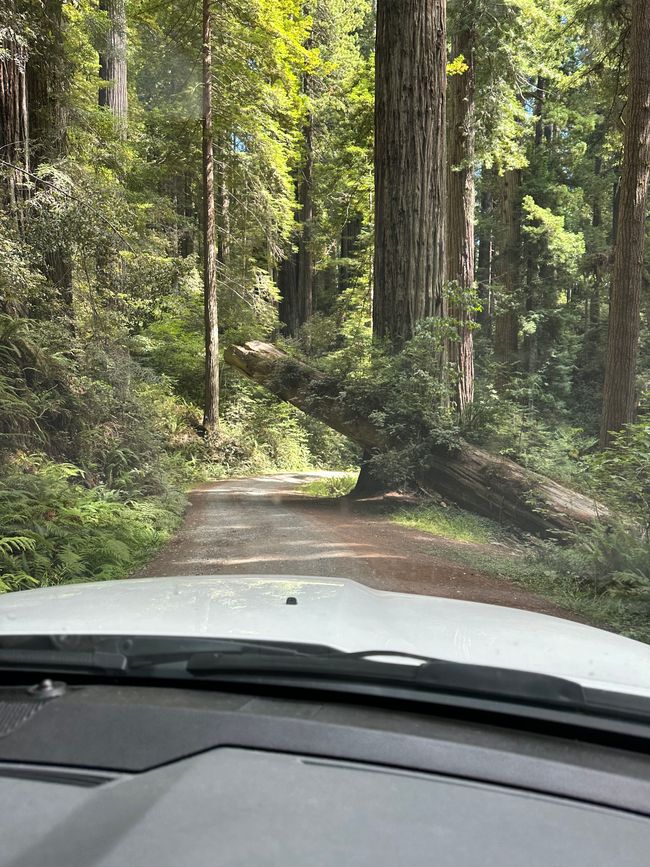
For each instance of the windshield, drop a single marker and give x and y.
(325, 322)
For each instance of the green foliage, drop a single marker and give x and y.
(565, 249)
(108, 493)
(55, 529)
(609, 563)
(541, 440)
(448, 522)
(621, 475)
(334, 486)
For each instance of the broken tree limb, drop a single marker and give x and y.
(467, 475)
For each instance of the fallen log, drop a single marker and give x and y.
(467, 475)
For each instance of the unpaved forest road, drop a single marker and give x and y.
(262, 525)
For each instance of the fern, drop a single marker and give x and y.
(16, 544)
(56, 530)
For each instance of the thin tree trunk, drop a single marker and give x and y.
(540, 95)
(349, 247)
(619, 393)
(410, 81)
(113, 64)
(296, 273)
(223, 249)
(598, 262)
(305, 254)
(211, 393)
(485, 252)
(535, 255)
(506, 322)
(460, 210)
(287, 281)
(186, 211)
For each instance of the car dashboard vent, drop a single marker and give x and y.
(16, 710)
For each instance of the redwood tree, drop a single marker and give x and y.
(296, 272)
(14, 118)
(410, 80)
(113, 64)
(460, 205)
(211, 393)
(619, 397)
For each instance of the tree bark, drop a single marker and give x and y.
(296, 272)
(287, 281)
(410, 81)
(211, 393)
(469, 476)
(506, 320)
(619, 393)
(14, 120)
(47, 83)
(113, 64)
(460, 209)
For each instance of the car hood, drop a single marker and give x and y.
(338, 613)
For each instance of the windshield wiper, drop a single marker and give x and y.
(68, 660)
(430, 675)
(118, 654)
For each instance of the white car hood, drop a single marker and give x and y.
(338, 613)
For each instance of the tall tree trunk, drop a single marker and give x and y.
(211, 393)
(47, 85)
(410, 81)
(506, 322)
(287, 281)
(113, 64)
(460, 209)
(296, 273)
(14, 120)
(619, 393)
(305, 254)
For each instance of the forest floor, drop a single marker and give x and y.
(265, 525)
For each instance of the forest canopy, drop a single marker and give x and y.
(443, 212)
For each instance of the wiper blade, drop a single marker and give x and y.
(73, 660)
(431, 675)
(227, 648)
(138, 653)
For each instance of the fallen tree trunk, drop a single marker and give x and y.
(469, 476)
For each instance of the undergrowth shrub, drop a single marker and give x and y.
(54, 529)
(91, 475)
(404, 395)
(613, 558)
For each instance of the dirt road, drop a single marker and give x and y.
(262, 525)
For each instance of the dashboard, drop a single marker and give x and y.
(103, 774)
